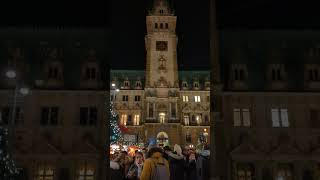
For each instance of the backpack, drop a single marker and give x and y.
(160, 171)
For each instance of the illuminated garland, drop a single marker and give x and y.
(115, 132)
(8, 170)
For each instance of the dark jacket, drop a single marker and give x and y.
(176, 165)
(134, 171)
(203, 166)
(190, 170)
(116, 171)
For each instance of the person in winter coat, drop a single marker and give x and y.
(203, 164)
(176, 163)
(166, 150)
(191, 167)
(155, 156)
(117, 167)
(135, 169)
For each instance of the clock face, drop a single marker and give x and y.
(162, 45)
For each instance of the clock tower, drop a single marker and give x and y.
(161, 46)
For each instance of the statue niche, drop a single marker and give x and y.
(162, 82)
(162, 64)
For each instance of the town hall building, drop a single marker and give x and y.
(163, 104)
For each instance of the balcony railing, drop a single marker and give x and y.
(196, 124)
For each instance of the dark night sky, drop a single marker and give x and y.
(126, 18)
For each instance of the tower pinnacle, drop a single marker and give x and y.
(161, 8)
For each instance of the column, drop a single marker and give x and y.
(148, 110)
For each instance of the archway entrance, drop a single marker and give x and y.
(162, 139)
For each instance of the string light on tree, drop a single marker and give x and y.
(8, 170)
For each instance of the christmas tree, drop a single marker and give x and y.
(8, 170)
(115, 132)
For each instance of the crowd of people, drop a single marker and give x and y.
(157, 163)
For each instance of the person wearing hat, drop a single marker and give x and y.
(176, 163)
(155, 159)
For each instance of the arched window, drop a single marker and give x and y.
(161, 26)
(193, 119)
(156, 25)
(167, 25)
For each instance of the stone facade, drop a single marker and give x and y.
(59, 132)
(172, 105)
(265, 113)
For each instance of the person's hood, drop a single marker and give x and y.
(175, 156)
(156, 155)
(114, 165)
(205, 153)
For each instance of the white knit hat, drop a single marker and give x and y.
(177, 149)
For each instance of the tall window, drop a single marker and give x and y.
(136, 120)
(185, 98)
(314, 118)
(156, 25)
(186, 119)
(276, 74)
(313, 75)
(197, 99)
(151, 110)
(91, 73)
(53, 72)
(124, 119)
(167, 25)
(196, 85)
(5, 114)
(138, 84)
(137, 98)
(161, 25)
(199, 119)
(126, 83)
(125, 98)
(173, 110)
(245, 172)
(241, 117)
(188, 136)
(86, 172)
(184, 84)
(238, 74)
(279, 117)
(88, 116)
(284, 172)
(45, 172)
(206, 118)
(49, 116)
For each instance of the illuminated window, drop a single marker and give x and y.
(197, 99)
(186, 119)
(124, 119)
(136, 120)
(185, 98)
(45, 172)
(279, 117)
(86, 172)
(199, 119)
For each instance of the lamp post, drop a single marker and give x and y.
(12, 75)
(115, 89)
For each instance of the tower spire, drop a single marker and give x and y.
(161, 8)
